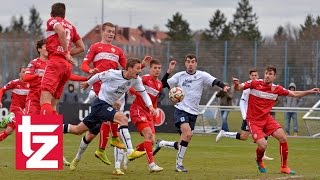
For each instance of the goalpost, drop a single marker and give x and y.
(312, 120)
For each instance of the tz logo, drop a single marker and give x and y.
(39, 142)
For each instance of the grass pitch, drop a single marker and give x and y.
(205, 159)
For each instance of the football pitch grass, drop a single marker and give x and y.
(205, 159)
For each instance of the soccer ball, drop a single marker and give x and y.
(176, 94)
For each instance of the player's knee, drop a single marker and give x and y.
(244, 136)
(90, 136)
(148, 136)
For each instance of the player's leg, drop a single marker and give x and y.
(115, 140)
(243, 135)
(103, 140)
(282, 138)
(118, 156)
(265, 157)
(295, 124)
(256, 128)
(8, 131)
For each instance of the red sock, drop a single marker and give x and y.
(260, 154)
(284, 154)
(3, 135)
(114, 129)
(104, 135)
(46, 109)
(148, 149)
(140, 147)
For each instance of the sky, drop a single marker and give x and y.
(85, 14)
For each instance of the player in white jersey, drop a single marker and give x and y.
(244, 134)
(192, 81)
(114, 84)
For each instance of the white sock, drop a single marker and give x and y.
(232, 135)
(118, 156)
(126, 138)
(82, 147)
(180, 154)
(152, 164)
(167, 144)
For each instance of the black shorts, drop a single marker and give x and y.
(101, 111)
(181, 117)
(244, 126)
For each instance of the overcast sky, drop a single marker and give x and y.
(85, 14)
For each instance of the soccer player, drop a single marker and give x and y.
(244, 134)
(20, 90)
(140, 114)
(263, 94)
(192, 81)
(104, 56)
(60, 35)
(114, 84)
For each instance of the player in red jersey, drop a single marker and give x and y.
(263, 94)
(140, 114)
(20, 89)
(60, 35)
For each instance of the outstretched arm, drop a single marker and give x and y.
(171, 67)
(237, 85)
(303, 93)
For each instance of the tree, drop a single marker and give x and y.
(34, 27)
(310, 29)
(280, 34)
(226, 33)
(1, 28)
(245, 22)
(217, 25)
(178, 28)
(17, 25)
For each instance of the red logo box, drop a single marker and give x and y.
(39, 142)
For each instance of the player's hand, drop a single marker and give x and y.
(235, 80)
(171, 67)
(117, 105)
(226, 88)
(93, 71)
(69, 58)
(315, 90)
(146, 61)
(153, 111)
(84, 85)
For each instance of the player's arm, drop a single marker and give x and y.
(75, 77)
(237, 85)
(146, 61)
(122, 60)
(85, 66)
(303, 93)
(79, 48)
(146, 98)
(165, 78)
(62, 36)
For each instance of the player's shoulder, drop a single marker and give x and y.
(202, 73)
(95, 45)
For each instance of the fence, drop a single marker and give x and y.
(295, 61)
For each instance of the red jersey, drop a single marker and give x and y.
(35, 67)
(103, 57)
(153, 87)
(262, 98)
(20, 91)
(53, 44)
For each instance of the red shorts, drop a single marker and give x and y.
(57, 73)
(141, 119)
(262, 127)
(32, 107)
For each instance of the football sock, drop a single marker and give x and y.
(118, 156)
(169, 144)
(182, 150)
(284, 154)
(238, 136)
(230, 134)
(66, 128)
(104, 135)
(82, 147)
(126, 138)
(148, 149)
(114, 129)
(3, 135)
(140, 147)
(260, 154)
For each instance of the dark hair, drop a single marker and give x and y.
(40, 43)
(252, 70)
(271, 68)
(58, 10)
(70, 85)
(107, 24)
(131, 62)
(154, 61)
(191, 56)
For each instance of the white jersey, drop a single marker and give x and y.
(244, 103)
(114, 85)
(192, 86)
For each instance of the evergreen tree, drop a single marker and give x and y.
(178, 28)
(217, 25)
(280, 34)
(34, 27)
(1, 29)
(17, 26)
(245, 22)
